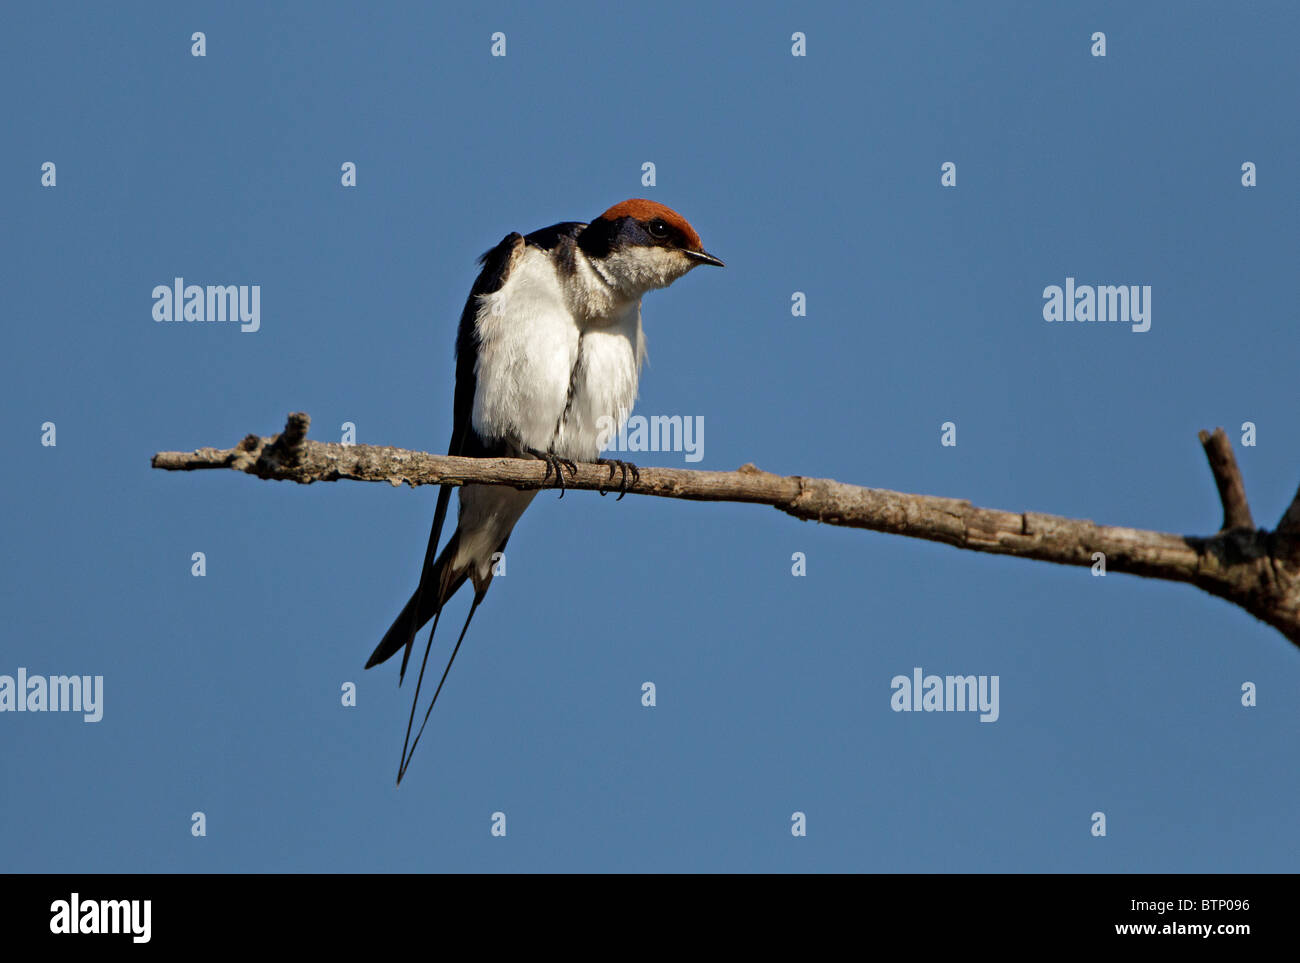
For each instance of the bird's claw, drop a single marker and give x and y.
(625, 467)
(556, 465)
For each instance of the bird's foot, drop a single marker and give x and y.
(625, 467)
(555, 465)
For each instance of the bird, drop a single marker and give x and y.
(549, 352)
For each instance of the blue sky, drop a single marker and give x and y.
(818, 174)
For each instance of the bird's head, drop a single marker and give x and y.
(642, 245)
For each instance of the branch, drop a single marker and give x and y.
(1227, 476)
(1255, 569)
(1290, 524)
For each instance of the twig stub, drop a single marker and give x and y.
(1227, 476)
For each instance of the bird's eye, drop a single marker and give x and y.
(658, 228)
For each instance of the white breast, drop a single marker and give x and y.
(604, 385)
(528, 343)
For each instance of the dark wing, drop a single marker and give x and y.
(496, 269)
(548, 238)
(433, 589)
(561, 241)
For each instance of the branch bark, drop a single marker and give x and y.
(1227, 476)
(1255, 569)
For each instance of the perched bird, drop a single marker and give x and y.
(549, 344)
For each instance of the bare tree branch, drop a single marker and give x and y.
(1290, 524)
(1232, 490)
(1255, 569)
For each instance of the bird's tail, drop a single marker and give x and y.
(487, 517)
(437, 584)
(440, 583)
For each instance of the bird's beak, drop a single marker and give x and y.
(703, 257)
